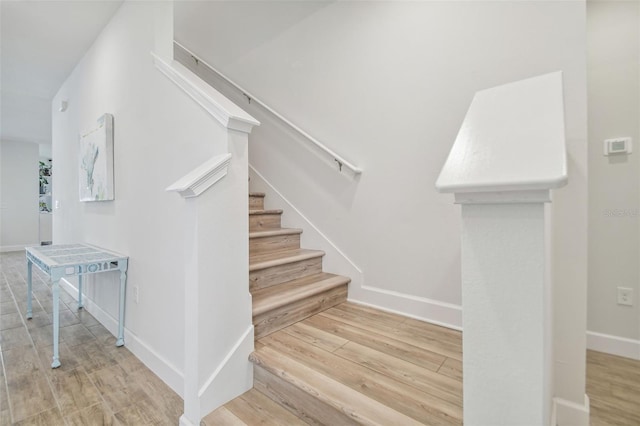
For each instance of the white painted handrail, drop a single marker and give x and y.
(222, 109)
(341, 162)
(202, 177)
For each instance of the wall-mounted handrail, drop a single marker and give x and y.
(340, 161)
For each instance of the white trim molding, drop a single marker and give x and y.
(505, 197)
(149, 357)
(184, 421)
(202, 177)
(614, 345)
(241, 340)
(221, 108)
(20, 247)
(568, 413)
(432, 311)
(215, 392)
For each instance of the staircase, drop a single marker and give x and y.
(351, 365)
(287, 283)
(321, 361)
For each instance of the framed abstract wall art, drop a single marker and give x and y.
(96, 161)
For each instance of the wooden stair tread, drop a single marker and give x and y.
(261, 212)
(254, 407)
(421, 394)
(222, 416)
(274, 232)
(354, 405)
(270, 298)
(268, 260)
(256, 194)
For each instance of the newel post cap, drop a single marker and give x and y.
(511, 145)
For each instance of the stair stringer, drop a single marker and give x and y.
(212, 392)
(216, 391)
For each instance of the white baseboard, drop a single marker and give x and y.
(186, 422)
(149, 357)
(431, 311)
(232, 378)
(336, 261)
(568, 413)
(19, 247)
(614, 345)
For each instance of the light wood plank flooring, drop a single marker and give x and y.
(613, 386)
(101, 384)
(97, 384)
(412, 367)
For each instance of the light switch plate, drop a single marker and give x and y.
(618, 146)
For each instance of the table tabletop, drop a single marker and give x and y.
(63, 255)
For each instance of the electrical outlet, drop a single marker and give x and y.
(625, 296)
(136, 294)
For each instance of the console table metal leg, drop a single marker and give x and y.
(123, 282)
(56, 322)
(80, 306)
(29, 289)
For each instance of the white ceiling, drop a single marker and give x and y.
(40, 44)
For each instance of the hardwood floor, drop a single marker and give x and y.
(97, 384)
(400, 370)
(406, 365)
(613, 386)
(410, 367)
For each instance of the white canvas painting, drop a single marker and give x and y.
(96, 161)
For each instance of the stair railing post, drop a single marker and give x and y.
(506, 313)
(508, 155)
(218, 335)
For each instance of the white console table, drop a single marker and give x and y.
(59, 261)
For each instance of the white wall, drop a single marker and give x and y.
(614, 191)
(387, 84)
(18, 195)
(24, 117)
(45, 149)
(160, 134)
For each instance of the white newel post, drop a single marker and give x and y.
(508, 155)
(218, 334)
(193, 188)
